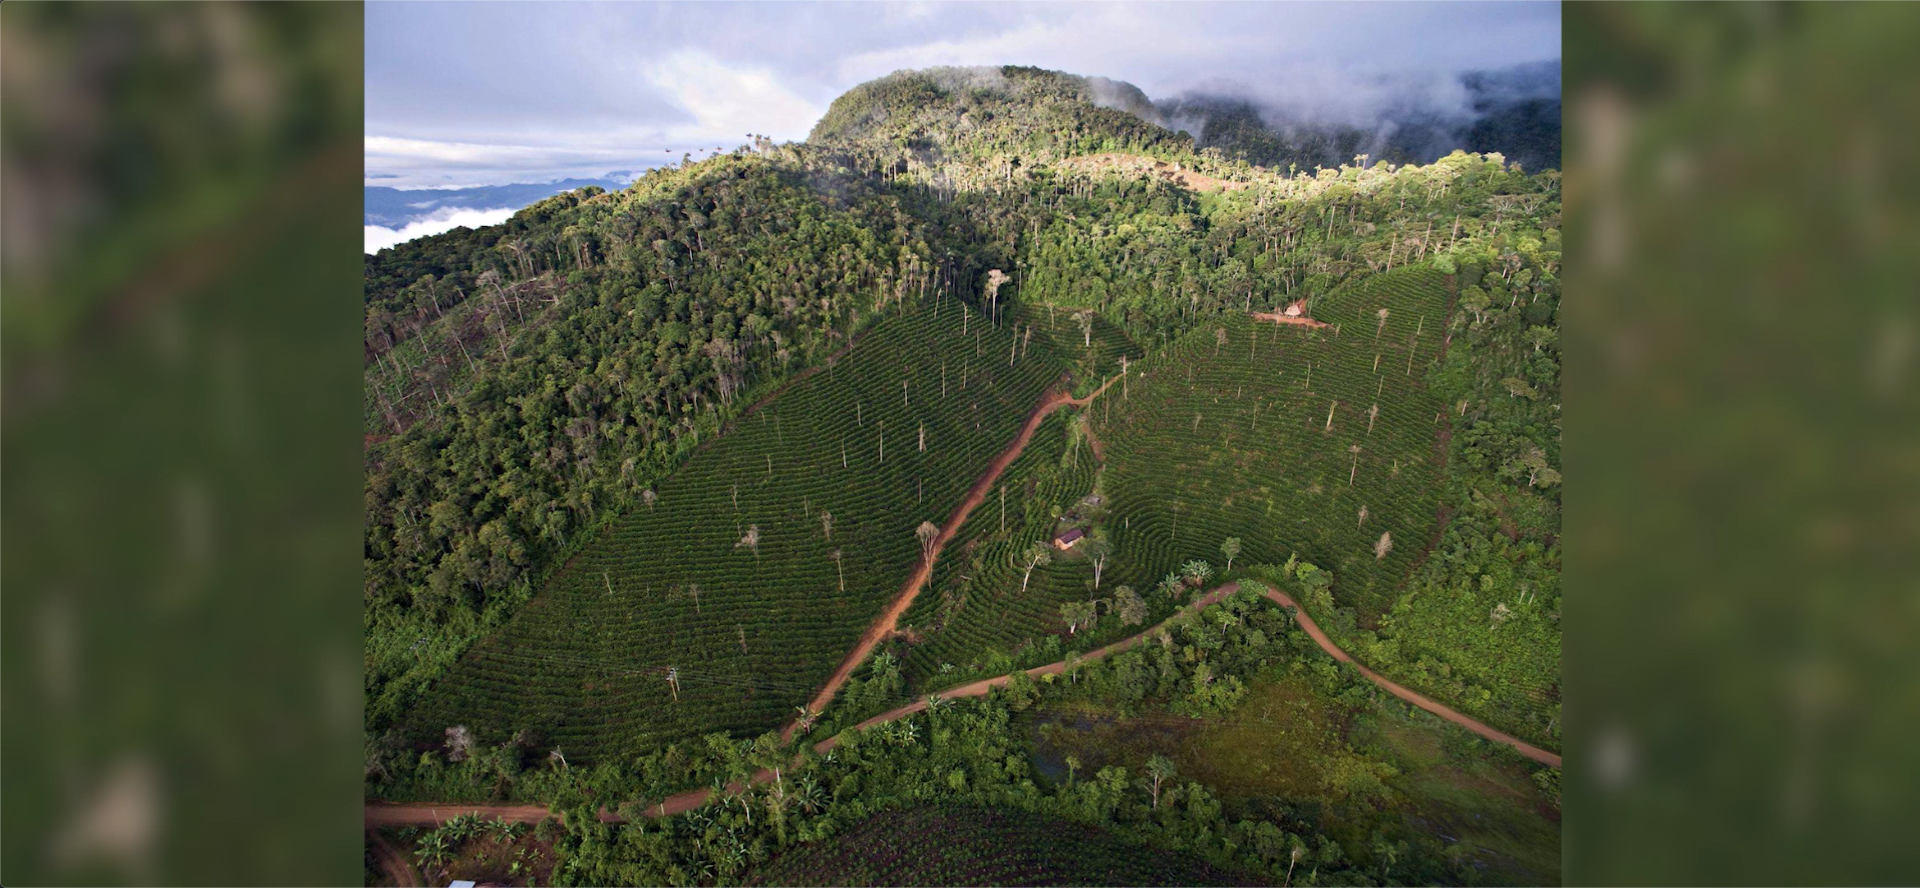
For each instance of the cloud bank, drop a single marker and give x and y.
(379, 238)
(484, 93)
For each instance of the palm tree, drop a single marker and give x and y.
(808, 794)
(434, 851)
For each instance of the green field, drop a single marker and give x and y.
(973, 615)
(960, 845)
(1260, 465)
(752, 631)
(1226, 434)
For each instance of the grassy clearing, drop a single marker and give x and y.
(1353, 772)
(1281, 741)
(1466, 792)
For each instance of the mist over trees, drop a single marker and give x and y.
(1513, 111)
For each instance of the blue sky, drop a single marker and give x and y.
(463, 94)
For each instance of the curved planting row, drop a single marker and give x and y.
(982, 846)
(975, 614)
(1294, 440)
(735, 582)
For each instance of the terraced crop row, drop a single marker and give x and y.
(974, 609)
(733, 579)
(1267, 433)
(954, 845)
(1092, 353)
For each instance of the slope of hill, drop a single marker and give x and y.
(570, 492)
(726, 599)
(1297, 441)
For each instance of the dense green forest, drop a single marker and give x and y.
(590, 426)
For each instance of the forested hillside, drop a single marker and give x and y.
(642, 466)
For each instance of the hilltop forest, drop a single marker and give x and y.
(675, 488)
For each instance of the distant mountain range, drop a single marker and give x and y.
(396, 208)
(1514, 111)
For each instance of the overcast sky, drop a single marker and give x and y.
(485, 93)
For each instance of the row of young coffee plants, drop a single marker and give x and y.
(1091, 346)
(967, 845)
(729, 597)
(1319, 443)
(981, 607)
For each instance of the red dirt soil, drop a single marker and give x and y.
(1279, 318)
(384, 814)
(395, 864)
(883, 627)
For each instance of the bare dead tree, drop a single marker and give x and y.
(927, 532)
(995, 277)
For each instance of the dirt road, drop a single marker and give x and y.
(687, 801)
(396, 865)
(980, 688)
(883, 627)
(1326, 644)
(382, 814)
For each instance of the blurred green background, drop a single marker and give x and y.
(181, 265)
(180, 464)
(1742, 519)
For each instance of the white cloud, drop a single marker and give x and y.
(426, 163)
(379, 238)
(728, 101)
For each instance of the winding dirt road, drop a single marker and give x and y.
(889, 620)
(980, 688)
(385, 814)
